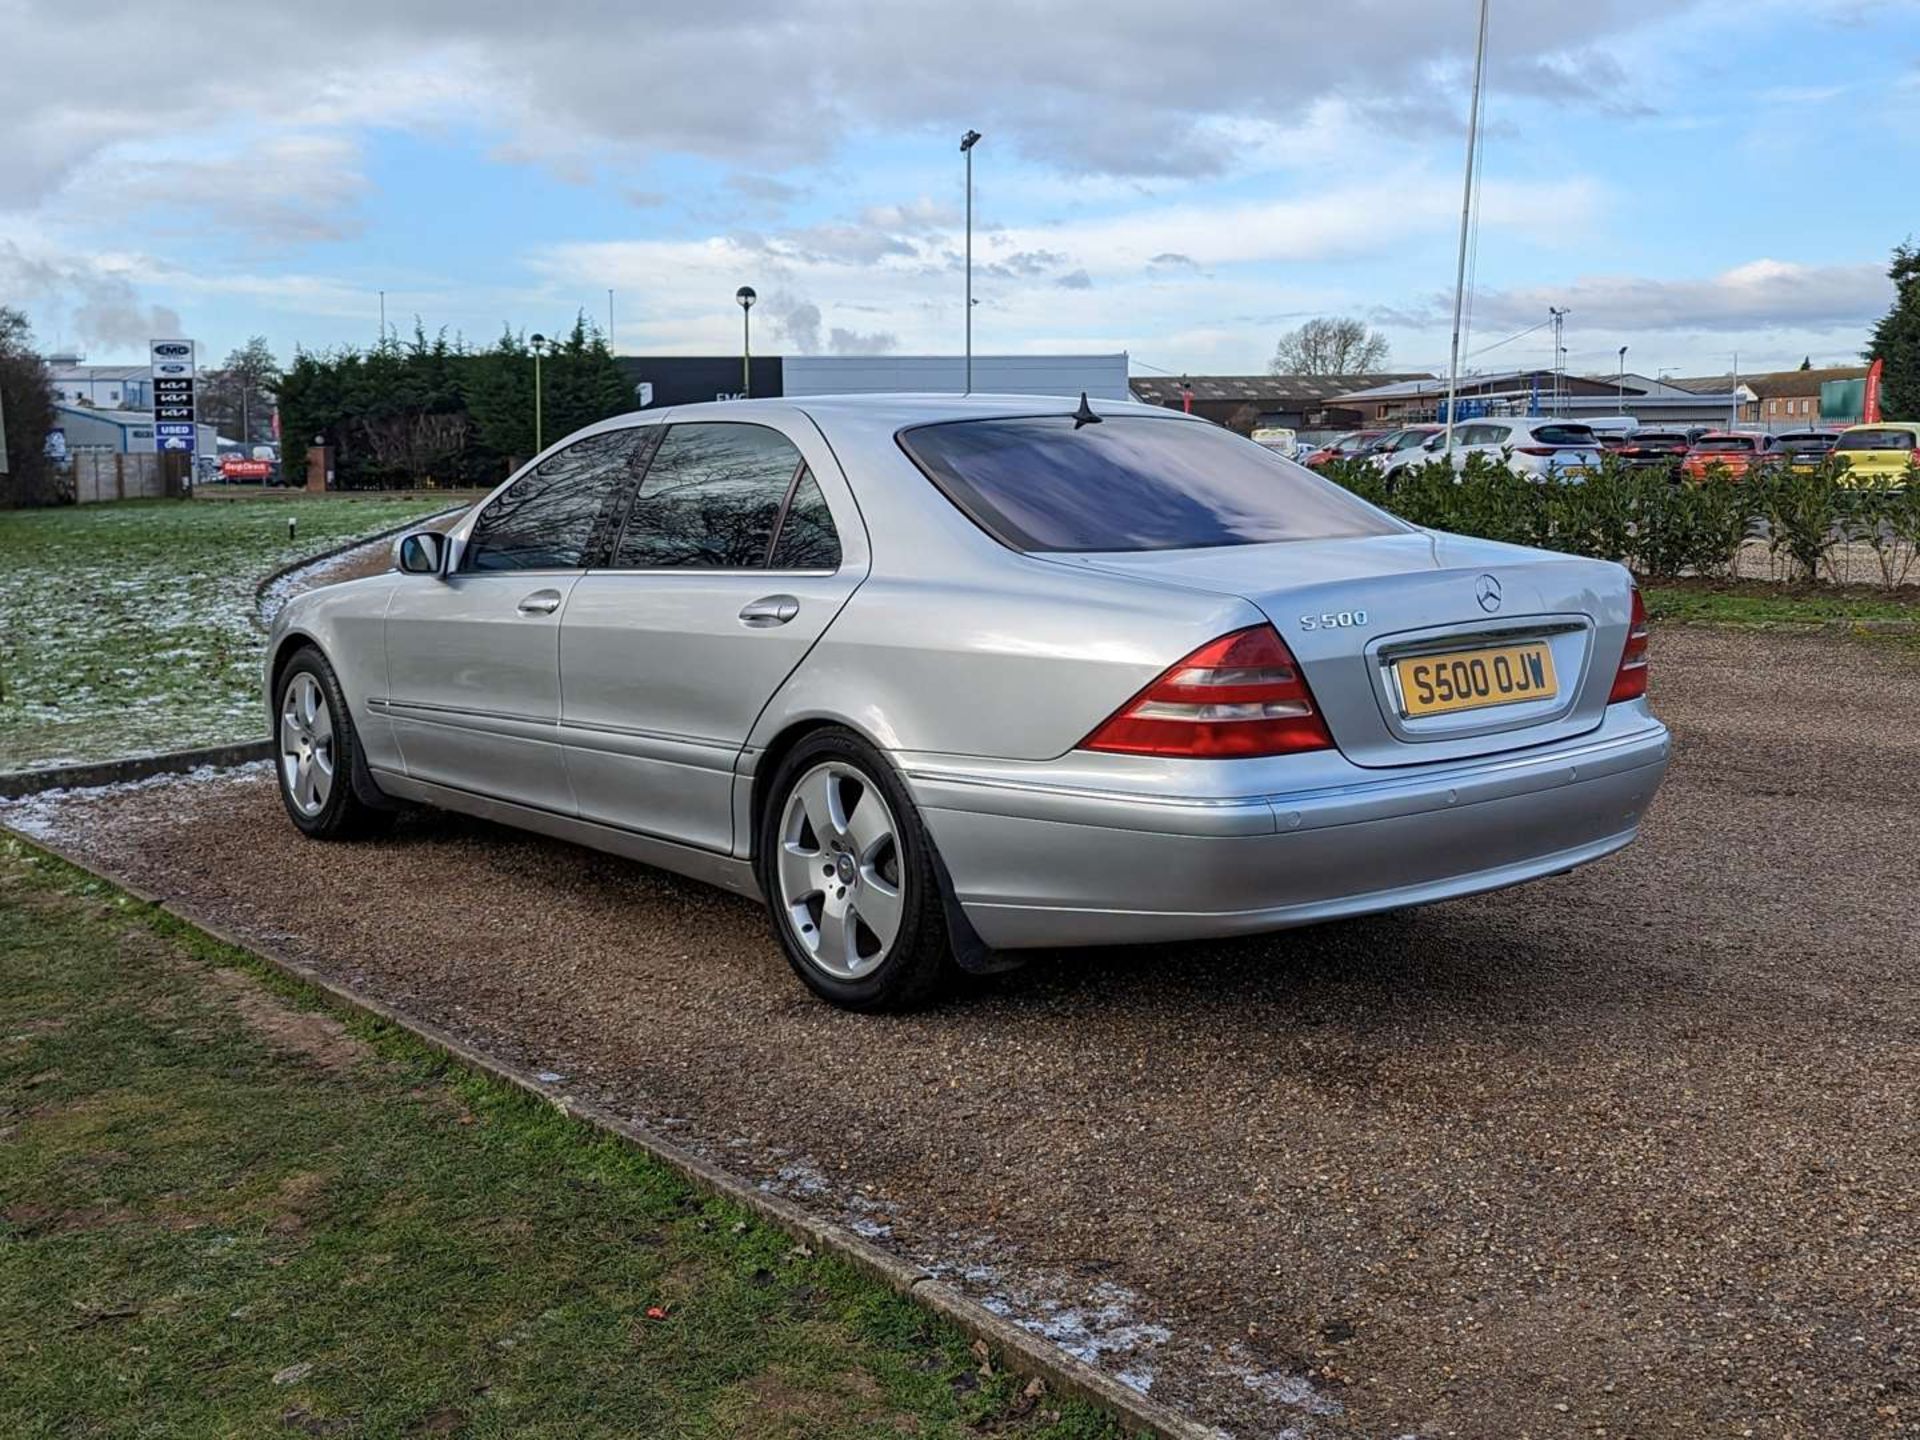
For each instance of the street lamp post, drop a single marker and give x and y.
(539, 344)
(746, 297)
(967, 142)
(1621, 383)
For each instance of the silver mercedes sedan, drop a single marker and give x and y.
(943, 678)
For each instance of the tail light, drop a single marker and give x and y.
(1630, 680)
(1240, 695)
(1534, 449)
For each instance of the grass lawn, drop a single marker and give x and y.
(129, 627)
(1767, 602)
(226, 1213)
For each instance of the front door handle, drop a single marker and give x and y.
(540, 602)
(769, 610)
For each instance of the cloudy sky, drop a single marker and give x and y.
(1691, 179)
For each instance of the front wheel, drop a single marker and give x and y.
(316, 750)
(848, 870)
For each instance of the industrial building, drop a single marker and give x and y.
(692, 379)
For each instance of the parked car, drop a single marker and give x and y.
(1735, 451)
(1878, 453)
(1802, 451)
(1612, 431)
(1529, 446)
(1656, 450)
(1399, 448)
(1350, 446)
(1277, 438)
(945, 677)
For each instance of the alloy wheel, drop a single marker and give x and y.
(306, 744)
(839, 870)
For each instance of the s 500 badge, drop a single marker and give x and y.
(1334, 620)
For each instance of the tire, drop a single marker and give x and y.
(840, 872)
(317, 753)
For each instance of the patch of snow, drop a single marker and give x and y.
(42, 816)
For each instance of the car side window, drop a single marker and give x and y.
(807, 538)
(710, 500)
(557, 515)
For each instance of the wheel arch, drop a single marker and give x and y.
(971, 953)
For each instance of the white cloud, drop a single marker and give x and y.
(1756, 295)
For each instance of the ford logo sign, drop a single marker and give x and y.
(174, 348)
(174, 369)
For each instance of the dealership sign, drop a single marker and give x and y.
(173, 386)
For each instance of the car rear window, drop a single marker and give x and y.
(1878, 440)
(1801, 443)
(1724, 442)
(1658, 437)
(1044, 483)
(1564, 435)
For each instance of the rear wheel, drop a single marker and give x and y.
(848, 870)
(316, 750)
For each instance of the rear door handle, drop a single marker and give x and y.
(768, 611)
(540, 602)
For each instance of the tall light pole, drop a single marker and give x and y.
(746, 297)
(1466, 212)
(1621, 383)
(1559, 315)
(539, 344)
(609, 320)
(967, 142)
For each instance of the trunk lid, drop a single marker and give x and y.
(1349, 609)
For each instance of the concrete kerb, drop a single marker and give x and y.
(1020, 1352)
(16, 783)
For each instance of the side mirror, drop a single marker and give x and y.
(420, 552)
(1435, 442)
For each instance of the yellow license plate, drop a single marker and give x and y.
(1474, 679)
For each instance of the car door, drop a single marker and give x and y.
(740, 546)
(473, 656)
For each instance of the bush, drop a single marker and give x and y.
(1636, 516)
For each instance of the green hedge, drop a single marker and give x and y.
(1661, 527)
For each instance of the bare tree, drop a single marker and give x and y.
(235, 397)
(1329, 345)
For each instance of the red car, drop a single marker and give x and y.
(1350, 446)
(1735, 450)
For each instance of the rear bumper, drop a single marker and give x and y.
(1037, 861)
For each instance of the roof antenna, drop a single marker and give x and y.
(1084, 415)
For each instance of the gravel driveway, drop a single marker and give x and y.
(1628, 1152)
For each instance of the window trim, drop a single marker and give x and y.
(765, 567)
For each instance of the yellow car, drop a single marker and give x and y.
(1878, 454)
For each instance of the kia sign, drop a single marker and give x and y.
(173, 408)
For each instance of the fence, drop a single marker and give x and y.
(98, 475)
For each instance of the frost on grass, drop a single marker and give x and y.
(128, 628)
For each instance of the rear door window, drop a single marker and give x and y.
(710, 500)
(1046, 483)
